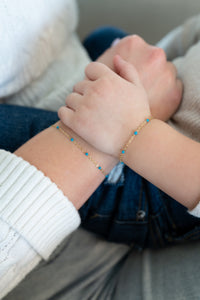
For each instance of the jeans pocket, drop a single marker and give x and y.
(98, 224)
(130, 232)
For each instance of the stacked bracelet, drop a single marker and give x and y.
(133, 135)
(71, 139)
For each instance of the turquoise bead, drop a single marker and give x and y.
(86, 154)
(57, 127)
(99, 168)
(147, 120)
(135, 132)
(123, 151)
(71, 139)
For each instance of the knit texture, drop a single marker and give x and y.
(196, 211)
(41, 57)
(33, 206)
(17, 258)
(183, 47)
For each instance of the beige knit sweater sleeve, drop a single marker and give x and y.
(182, 46)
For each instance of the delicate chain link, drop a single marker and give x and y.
(71, 139)
(133, 135)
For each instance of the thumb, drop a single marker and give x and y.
(126, 70)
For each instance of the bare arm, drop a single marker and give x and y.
(35, 216)
(169, 160)
(59, 159)
(70, 170)
(115, 108)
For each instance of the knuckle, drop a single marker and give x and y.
(105, 82)
(97, 90)
(134, 41)
(102, 85)
(138, 39)
(68, 99)
(79, 122)
(157, 55)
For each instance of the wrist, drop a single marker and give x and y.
(105, 161)
(139, 148)
(133, 135)
(167, 159)
(65, 165)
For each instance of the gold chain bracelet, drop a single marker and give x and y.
(71, 139)
(133, 135)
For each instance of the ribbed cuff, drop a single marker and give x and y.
(33, 205)
(195, 211)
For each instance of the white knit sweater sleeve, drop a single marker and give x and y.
(35, 217)
(195, 211)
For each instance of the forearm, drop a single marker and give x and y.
(33, 208)
(60, 160)
(169, 160)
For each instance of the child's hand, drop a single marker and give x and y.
(105, 109)
(157, 75)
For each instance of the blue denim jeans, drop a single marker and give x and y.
(131, 211)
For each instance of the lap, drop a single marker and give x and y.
(85, 267)
(170, 273)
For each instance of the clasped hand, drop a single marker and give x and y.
(113, 100)
(106, 107)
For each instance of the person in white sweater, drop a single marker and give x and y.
(35, 215)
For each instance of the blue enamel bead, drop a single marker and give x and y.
(135, 132)
(123, 151)
(71, 139)
(86, 154)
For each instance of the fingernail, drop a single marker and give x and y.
(115, 42)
